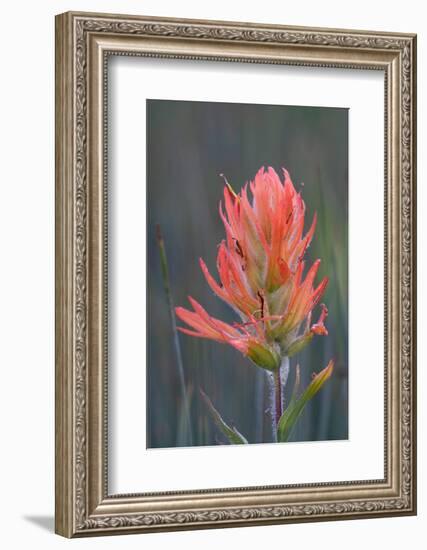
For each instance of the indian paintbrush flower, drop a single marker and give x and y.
(261, 269)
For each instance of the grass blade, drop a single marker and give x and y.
(177, 346)
(231, 433)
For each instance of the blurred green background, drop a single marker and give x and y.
(188, 145)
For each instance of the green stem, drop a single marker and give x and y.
(259, 405)
(279, 379)
(168, 292)
(278, 402)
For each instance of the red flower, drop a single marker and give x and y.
(250, 343)
(261, 266)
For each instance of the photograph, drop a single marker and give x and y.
(247, 273)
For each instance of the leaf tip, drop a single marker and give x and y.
(329, 369)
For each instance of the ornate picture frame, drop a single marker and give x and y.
(84, 42)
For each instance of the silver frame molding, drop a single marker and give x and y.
(84, 42)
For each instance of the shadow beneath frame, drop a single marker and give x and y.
(44, 522)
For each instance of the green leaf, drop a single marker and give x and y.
(299, 344)
(231, 433)
(296, 406)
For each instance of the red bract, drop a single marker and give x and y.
(261, 270)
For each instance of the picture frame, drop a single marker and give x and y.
(84, 42)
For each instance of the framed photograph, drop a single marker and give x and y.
(235, 274)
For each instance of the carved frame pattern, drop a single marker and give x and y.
(83, 507)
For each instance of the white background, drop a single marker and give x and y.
(132, 467)
(27, 245)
